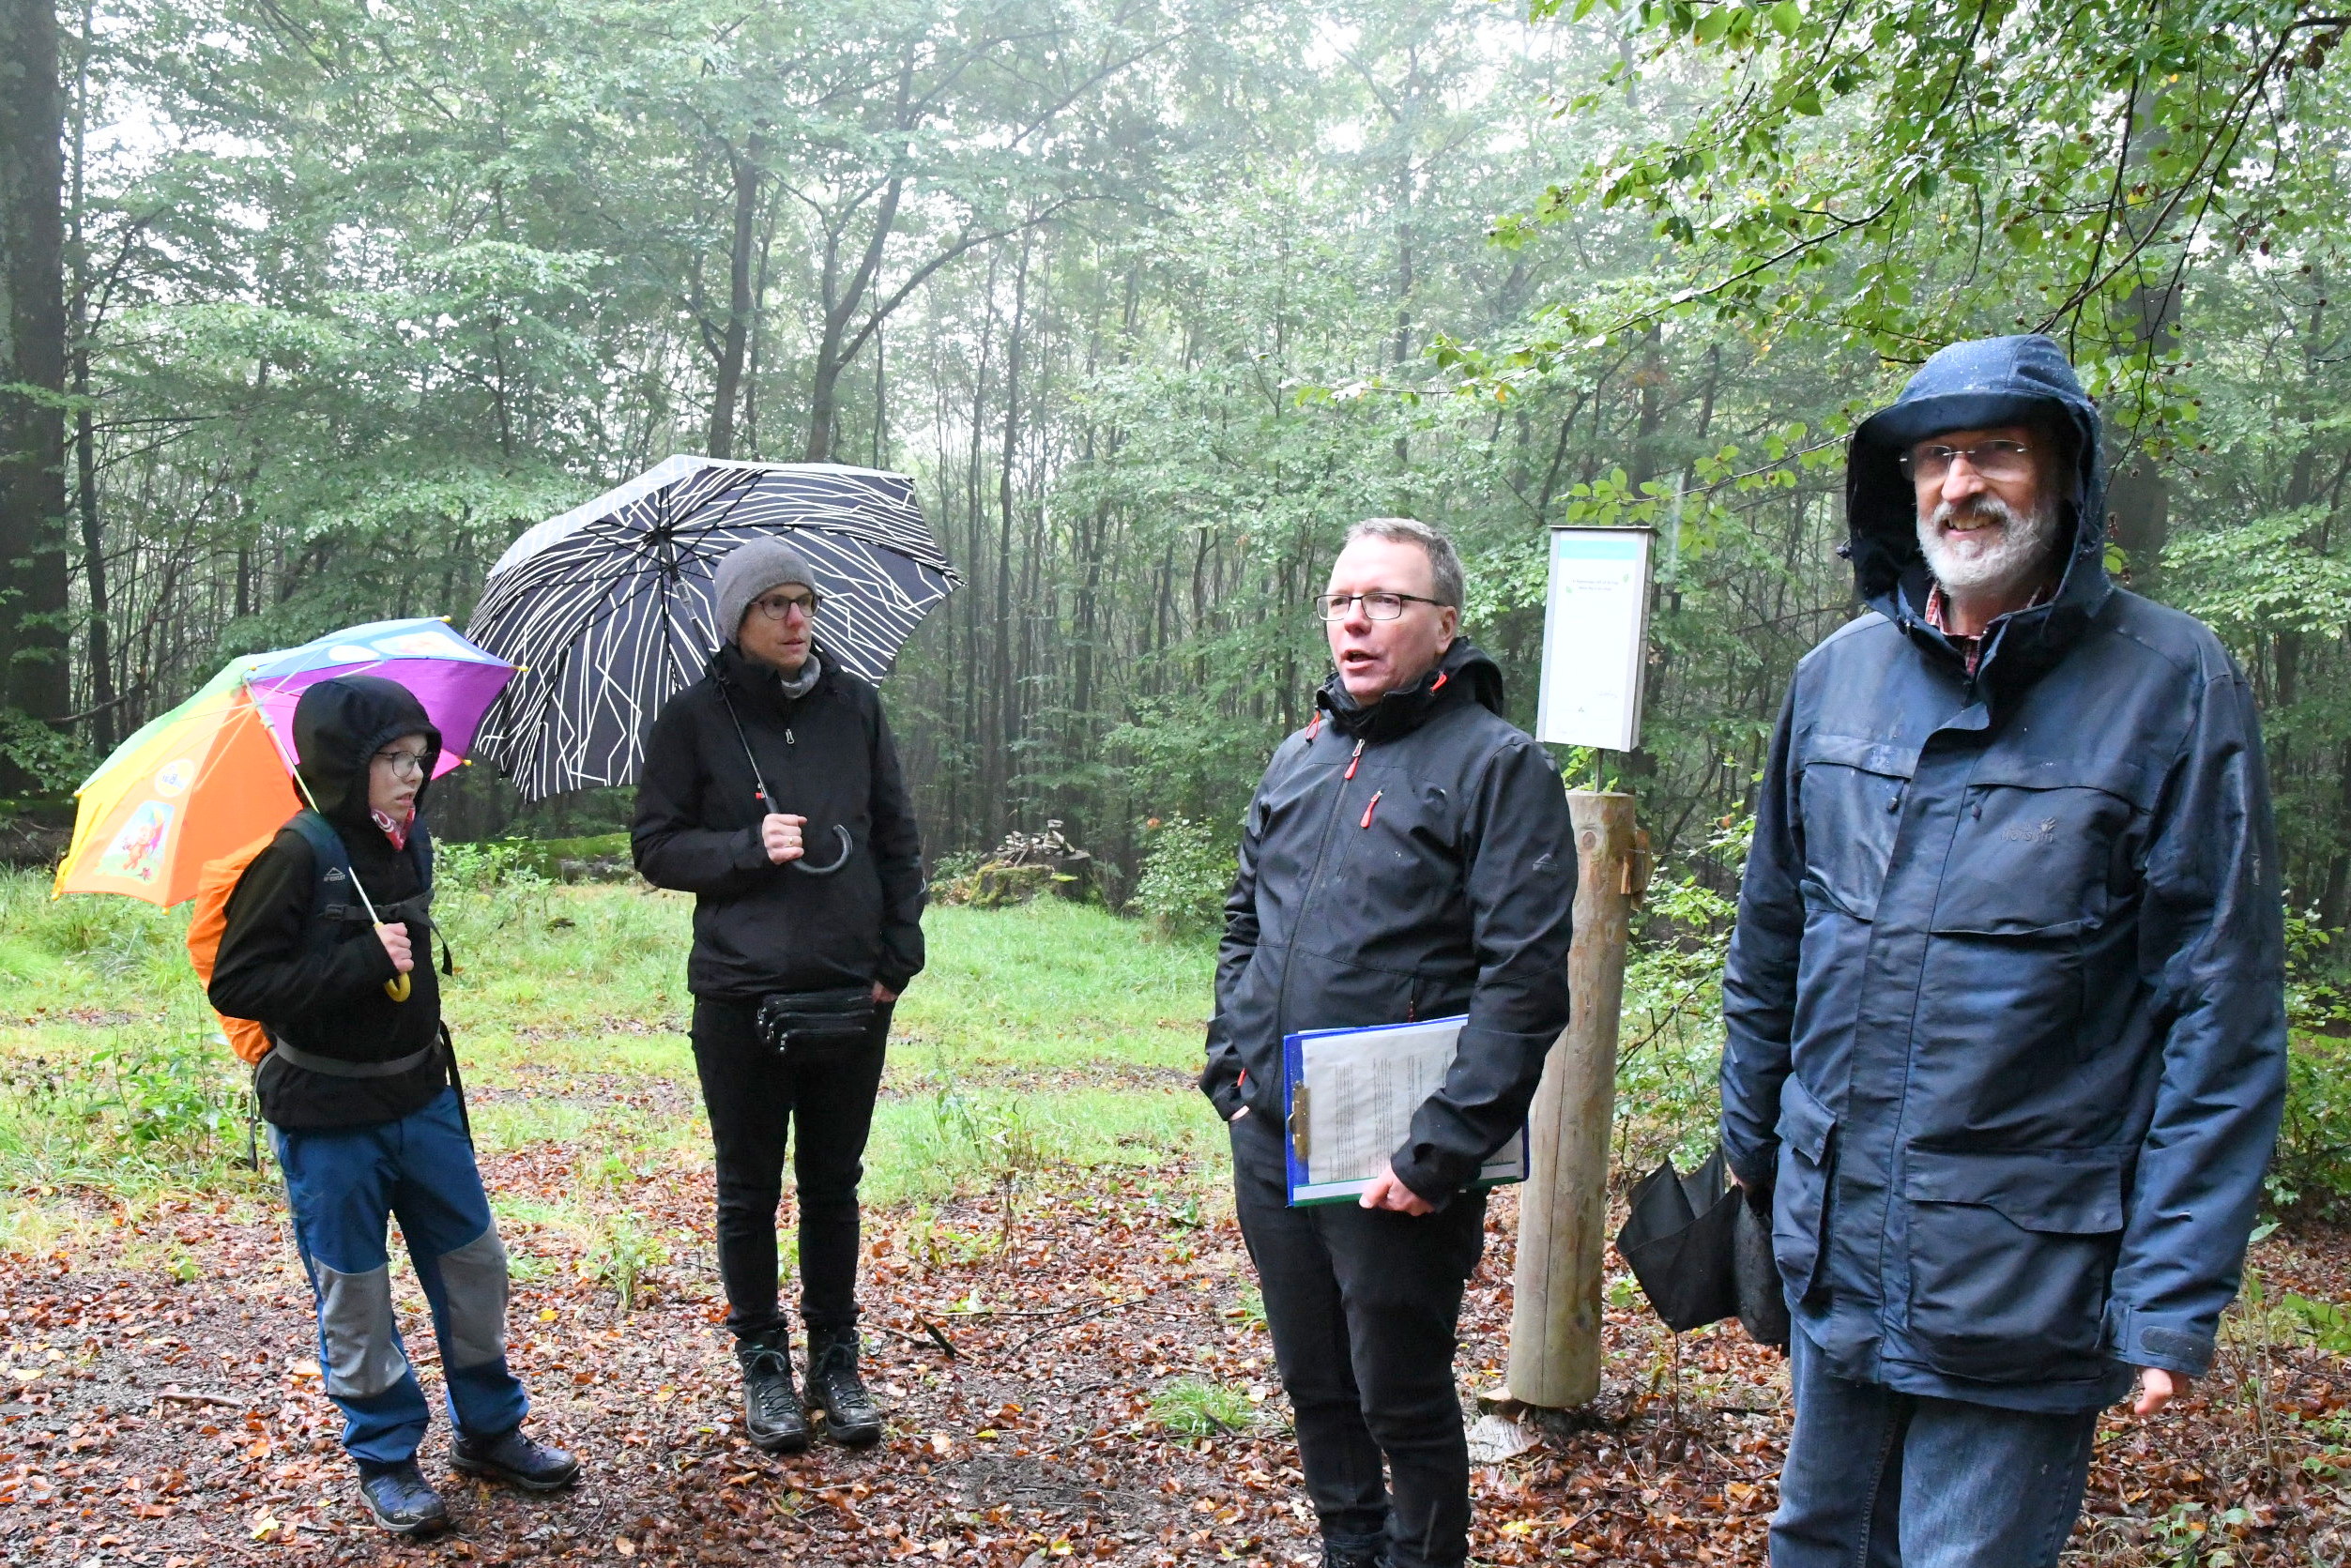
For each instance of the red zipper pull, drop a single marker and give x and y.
(1373, 806)
(1352, 760)
(1315, 726)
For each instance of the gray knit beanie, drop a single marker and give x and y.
(748, 572)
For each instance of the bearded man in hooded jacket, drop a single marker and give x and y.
(1407, 854)
(772, 792)
(2005, 1002)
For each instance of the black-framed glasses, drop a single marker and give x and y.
(1379, 603)
(402, 764)
(776, 606)
(1928, 463)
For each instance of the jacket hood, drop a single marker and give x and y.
(1462, 673)
(342, 723)
(1968, 385)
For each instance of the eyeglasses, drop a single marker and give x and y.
(1378, 604)
(402, 765)
(776, 606)
(1994, 459)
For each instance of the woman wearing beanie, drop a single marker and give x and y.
(771, 791)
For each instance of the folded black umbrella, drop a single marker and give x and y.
(1702, 1252)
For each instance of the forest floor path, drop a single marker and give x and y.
(1061, 1316)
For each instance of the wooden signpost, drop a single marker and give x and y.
(1595, 650)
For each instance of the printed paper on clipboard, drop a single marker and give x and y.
(1360, 1089)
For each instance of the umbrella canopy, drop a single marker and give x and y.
(215, 774)
(610, 606)
(1701, 1251)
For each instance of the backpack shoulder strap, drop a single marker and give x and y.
(333, 900)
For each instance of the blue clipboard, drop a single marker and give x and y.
(1506, 1164)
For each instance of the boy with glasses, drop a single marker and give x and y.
(364, 1116)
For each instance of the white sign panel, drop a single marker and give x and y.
(1596, 638)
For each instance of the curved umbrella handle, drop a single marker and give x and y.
(839, 861)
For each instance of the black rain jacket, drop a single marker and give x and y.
(2005, 1003)
(761, 928)
(1454, 895)
(336, 1008)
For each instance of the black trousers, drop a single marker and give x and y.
(824, 1105)
(1363, 1304)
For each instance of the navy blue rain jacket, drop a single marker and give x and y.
(2005, 1005)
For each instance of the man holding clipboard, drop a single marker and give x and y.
(1408, 857)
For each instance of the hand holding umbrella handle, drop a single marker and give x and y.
(398, 987)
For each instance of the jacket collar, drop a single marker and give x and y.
(1464, 674)
(761, 683)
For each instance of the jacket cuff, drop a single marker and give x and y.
(751, 850)
(1428, 1177)
(1223, 1091)
(2138, 1338)
(1757, 1168)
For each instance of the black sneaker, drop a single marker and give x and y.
(516, 1460)
(1351, 1552)
(851, 1415)
(401, 1500)
(772, 1415)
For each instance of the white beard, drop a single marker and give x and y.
(2006, 560)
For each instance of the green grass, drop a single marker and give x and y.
(1037, 1041)
(1196, 1408)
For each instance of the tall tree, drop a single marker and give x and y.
(34, 676)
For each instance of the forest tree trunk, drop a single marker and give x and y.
(739, 303)
(33, 670)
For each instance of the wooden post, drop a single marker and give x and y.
(1562, 1213)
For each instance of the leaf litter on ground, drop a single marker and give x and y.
(1100, 1389)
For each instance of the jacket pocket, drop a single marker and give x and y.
(1806, 1132)
(1850, 792)
(2011, 1256)
(2042, 849)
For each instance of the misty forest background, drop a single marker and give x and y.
(315, 304)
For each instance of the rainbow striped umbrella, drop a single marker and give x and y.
(215, 774)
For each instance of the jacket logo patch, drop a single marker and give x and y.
(335, 876)
(2044, 831)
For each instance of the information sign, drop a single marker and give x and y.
(1596, 638)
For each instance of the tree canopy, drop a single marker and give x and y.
(1154, 298)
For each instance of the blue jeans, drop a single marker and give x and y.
(343, 1184)
(1877, 1479)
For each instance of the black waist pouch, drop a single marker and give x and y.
(798, 1022)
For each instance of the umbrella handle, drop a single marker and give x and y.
(839, 861)
(398, 986)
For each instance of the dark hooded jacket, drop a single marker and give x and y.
(761, 928)
(1452, 894)
(2005, 1004)
(335, 1006)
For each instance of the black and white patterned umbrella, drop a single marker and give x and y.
(608, 608)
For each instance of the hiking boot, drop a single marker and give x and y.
(401, 1500)
(1341, 1551)
(772, 1415)
(516, 1460)
(851, 1415)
